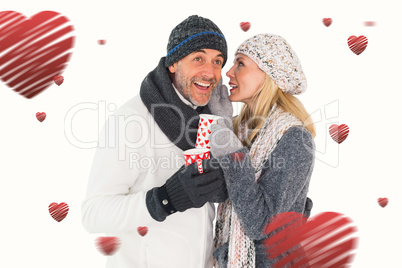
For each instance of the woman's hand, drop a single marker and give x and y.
(223, 141)
(219, 103)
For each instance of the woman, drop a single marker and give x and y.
(268, 167)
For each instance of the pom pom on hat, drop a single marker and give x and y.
(275, 57)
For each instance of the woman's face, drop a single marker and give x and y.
(245, 79)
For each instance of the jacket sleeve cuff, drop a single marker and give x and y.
(158, 203)
(176, 194)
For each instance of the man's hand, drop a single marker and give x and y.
(187, 188)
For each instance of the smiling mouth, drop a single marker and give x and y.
(233, 86)
(202, 86)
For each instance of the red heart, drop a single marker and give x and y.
(339, 133)
(210, 121)
(209, 131)
(206, 124)
(107, 245)
(31, 58)
(369, 23)
(204, 134)
(202, 145)
(245, 26)
(142, 230)
(58, 80)
(319, 242)
(357, 44)
(101, 42)
(237, 156)
(327, 21)
(40, 116)
(383, 201)
(58, 211)
(206, 142)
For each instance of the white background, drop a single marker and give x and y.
(40, 165)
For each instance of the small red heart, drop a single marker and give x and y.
(107, 245)
(102, 42)
(199, 124)
(58, 80)
(245, 26)
(202, 145)
(237, 156)
(142, 230)
(383, 201)
(58, 211)
(206, 142)
(40, 116)
(188, 161)
(206, 124)
(357, 44)
(327, 21)
(369, 23)
(339, 133)
(210, 121)
(204, 134)
(318, 242)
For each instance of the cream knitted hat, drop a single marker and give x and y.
(275, 57)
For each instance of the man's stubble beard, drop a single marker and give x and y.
(185, 89)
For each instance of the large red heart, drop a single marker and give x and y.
(33, 51)
(58, 211)
(322, 241)
(339, 133)
(357, 44)
(107, 245)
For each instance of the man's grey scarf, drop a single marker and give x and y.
(177, 120)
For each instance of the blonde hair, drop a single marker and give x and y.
(266, 96)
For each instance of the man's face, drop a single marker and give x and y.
(197, 74)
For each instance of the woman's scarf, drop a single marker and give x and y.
(228, 227)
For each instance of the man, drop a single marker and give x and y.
(142, 182)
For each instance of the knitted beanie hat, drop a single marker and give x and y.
(192, 34)
(275, 57)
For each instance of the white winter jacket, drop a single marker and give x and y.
(137, 157)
